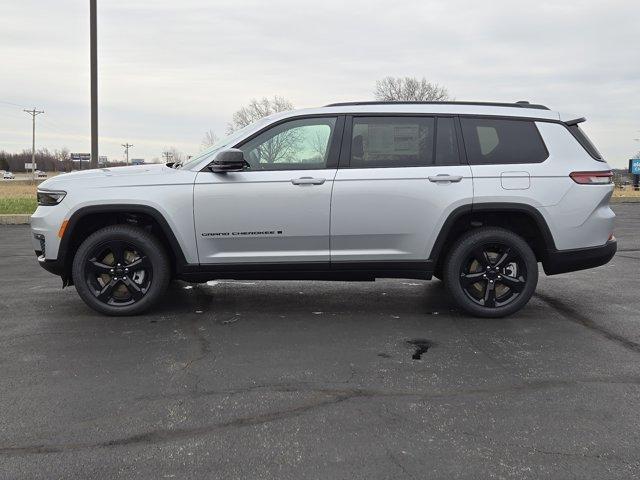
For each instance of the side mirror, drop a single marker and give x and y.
(229, 160)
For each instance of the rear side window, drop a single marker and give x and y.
(500, 141)
(379, 142)
(585, 142)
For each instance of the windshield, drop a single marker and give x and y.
(224, 142)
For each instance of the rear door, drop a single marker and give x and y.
(398, 180)
(276, 211)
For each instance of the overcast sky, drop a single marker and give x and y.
(171, 70)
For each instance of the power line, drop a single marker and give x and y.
(13, 104)
(127, 146)
(34, 113)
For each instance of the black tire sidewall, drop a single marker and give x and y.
(138, 237)
(459, 254)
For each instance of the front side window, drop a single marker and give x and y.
(295, 145)
(500, 141)
(392, 142)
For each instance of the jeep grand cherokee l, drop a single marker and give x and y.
(476, 194)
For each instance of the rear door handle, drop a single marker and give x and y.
(308, 181)
(443, 177)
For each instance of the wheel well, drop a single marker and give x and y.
(92, 222)
(520, 222)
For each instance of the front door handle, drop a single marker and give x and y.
(308, 181)
(443, 177)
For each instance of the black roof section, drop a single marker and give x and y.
(520, 104)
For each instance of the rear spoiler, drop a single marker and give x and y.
(575, 121)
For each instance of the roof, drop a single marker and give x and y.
(519, 104)
(443, 108)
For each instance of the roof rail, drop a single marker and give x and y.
(520, 104)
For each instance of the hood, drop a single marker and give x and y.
(116, 175)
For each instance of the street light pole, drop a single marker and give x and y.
(94, 81)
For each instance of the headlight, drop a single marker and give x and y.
(50, 197)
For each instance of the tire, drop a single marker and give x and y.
(121, 270)
(491, 272)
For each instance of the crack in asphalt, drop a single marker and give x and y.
(575, 316)
(326, 397)
(540, 451)
(627, 256)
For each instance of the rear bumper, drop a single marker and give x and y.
(562, 261)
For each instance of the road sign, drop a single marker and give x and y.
(81, 157)
(634, 166)
(30, 166)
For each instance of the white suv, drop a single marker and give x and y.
(476, 194)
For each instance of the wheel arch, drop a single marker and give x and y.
(89, 219)
(529, 223)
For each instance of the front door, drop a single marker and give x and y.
(399, 178)
(277, 210)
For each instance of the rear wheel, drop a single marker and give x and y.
(491, 272)
(121, 270)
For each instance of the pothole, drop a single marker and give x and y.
(421, 346)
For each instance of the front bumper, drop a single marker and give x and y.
(562, 261)
(51, 266)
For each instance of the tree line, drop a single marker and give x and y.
(46, 160)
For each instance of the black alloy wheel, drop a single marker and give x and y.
(491, 272)
(118, 273)
(121, 270)
(493, 275)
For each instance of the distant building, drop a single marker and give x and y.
(137, 161)
(103, 160)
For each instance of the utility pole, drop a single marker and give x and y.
(167, 156)
(127, 146)
(34, 113)
(93, 35)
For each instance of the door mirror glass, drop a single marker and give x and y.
(228, 160)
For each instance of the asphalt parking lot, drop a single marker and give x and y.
(293, 380)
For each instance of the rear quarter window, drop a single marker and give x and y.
(583, 139)
(491, 141)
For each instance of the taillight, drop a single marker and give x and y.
(592, 178)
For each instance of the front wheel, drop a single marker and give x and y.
(121, 270)
(491, 272)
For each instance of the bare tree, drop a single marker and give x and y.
(409, 89)
(209, 139)
(63, 157)
(320, 141)
(281, 147)
(257, 109)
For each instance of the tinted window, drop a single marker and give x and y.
(585, 142)
(498, 141)
(392, 142)
(295, 145)
(446, 143)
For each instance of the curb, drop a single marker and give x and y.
(625, 200)
(15, 219)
